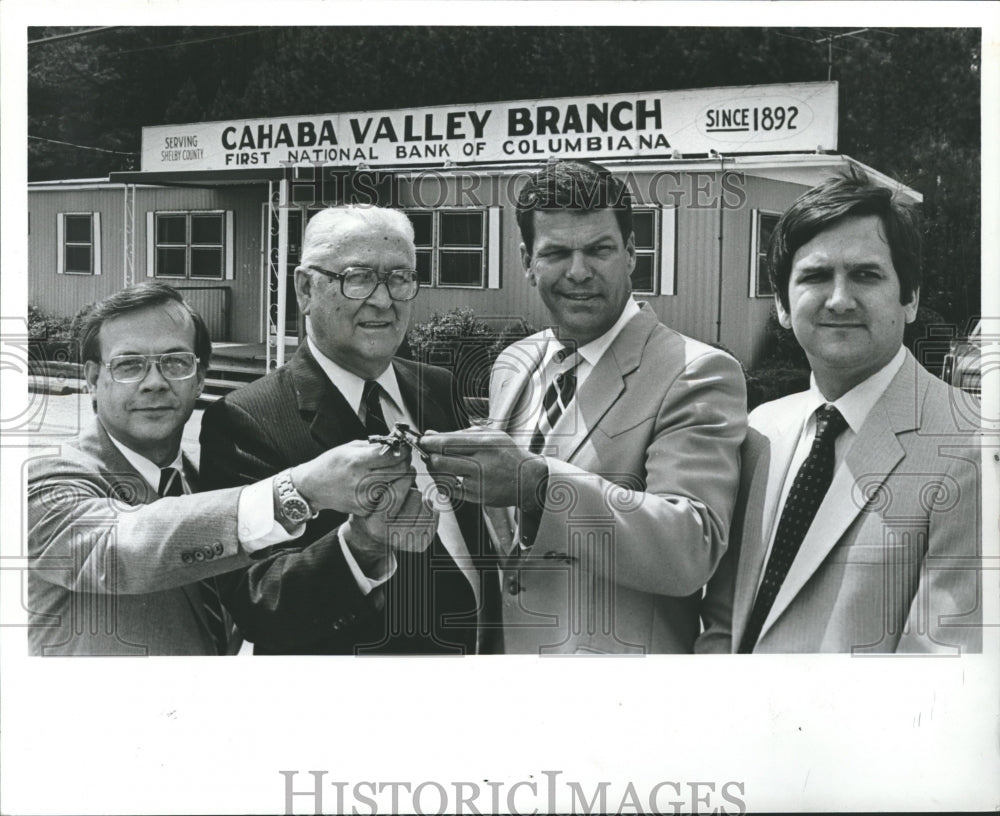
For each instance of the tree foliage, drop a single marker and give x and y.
(909, 98)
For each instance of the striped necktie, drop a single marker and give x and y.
(557, 398)
(172, 485)
(806, 494)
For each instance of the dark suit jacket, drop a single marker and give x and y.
(113, 567)
(891, 562)
(302, 598)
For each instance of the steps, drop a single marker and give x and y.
(225, 376)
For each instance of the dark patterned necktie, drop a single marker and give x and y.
(557, 397)
(371, 409)
(171, 485)
(804, 499)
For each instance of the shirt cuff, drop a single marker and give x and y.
(255, 524)
(365, 583)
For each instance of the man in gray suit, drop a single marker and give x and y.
(611, 467)
(858, 523)
(122, 560)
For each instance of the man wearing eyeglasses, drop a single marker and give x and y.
(122, 557)
(407, 580)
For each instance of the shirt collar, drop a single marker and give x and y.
(857, 403)
(350, 384)
(593, 351)
(148, 469)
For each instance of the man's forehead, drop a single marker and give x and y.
(357, 238)
(165, 323)
(593, 223)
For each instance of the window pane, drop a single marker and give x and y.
(461, 269)
(642, 276)
(765, 226)
(462, 229)
(78, 259)
(206, 229)
(423, 223)
(78, 229)
(206, 263)
(171, 229)
(642, 225)
(763, 281)
(169, 263)
(424, 266)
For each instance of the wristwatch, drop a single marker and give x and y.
(291, 507)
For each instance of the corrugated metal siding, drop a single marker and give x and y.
(65, 295)
(245, 308)
(744, 318)
(694, 310)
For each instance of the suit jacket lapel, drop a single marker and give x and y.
(604, 386)
(873, 455)
(96, 442)
(426, 408)
(334, 422)
(759, 455)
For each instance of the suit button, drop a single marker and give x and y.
(513, 585)
(209, 553)
(199, 555)
(187, 558)
(218, 547)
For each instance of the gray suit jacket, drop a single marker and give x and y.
(891, 561)
(113, 568)
(643, 476)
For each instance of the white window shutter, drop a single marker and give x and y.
(668, 250)
(60, 243)
(754, 232)
(493, 249)
(95, 225)
(229, 245)
(150, 243)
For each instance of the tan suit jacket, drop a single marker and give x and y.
(643, 476)
(113, 568)
(891, 561)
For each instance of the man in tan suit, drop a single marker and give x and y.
(122, 558)
(858, 522)
(611, 466)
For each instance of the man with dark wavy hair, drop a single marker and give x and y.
(858, 522)
(122, 558)
(611, 468)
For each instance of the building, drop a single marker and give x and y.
(218, 208)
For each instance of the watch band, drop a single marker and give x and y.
(291, 507)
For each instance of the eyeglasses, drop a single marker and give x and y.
(174, 365)
(359, 282)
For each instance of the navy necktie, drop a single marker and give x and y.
(171, 485)
(371, 406)
(806, 494)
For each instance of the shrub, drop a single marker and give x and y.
(43, 326)
(466, 345)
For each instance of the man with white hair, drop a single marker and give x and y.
(409, 578)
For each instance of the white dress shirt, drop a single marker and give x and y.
(351, 386)
(854, 406)
(587, 357)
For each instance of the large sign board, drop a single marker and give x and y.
(755, 119)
